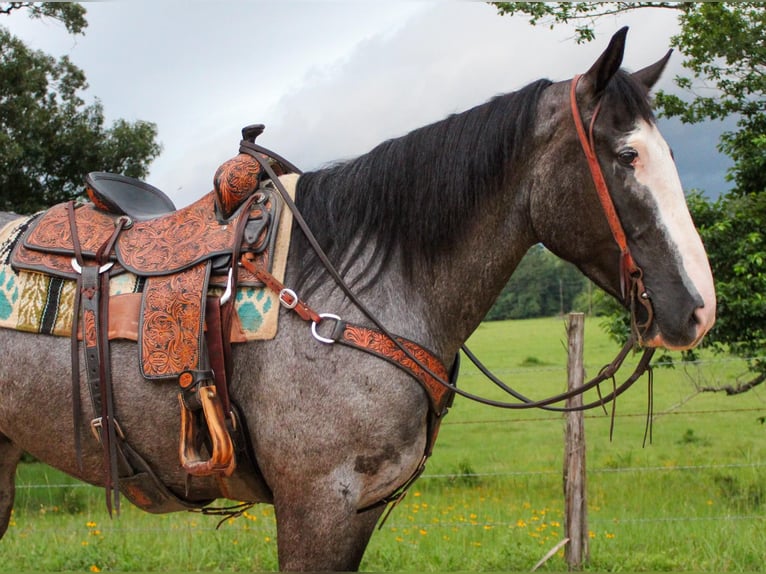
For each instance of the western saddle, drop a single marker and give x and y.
(183, 332)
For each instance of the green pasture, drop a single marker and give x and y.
(492, 499)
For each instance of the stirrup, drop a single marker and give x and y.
(221, 460)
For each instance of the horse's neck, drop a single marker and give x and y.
(467, 281)
(440, 305)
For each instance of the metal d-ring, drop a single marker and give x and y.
(104, 267)
(319, 337)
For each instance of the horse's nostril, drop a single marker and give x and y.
(703, 319)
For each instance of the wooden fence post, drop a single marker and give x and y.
(575, 505)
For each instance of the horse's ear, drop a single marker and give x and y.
(649, 75)
(607, 64)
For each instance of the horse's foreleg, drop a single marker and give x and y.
(9, 459)
(322, 535)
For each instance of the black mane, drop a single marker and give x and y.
(412, 194)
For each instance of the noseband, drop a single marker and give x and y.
(632, 287)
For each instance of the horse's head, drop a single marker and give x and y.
(670, 287)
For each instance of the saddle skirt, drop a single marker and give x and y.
(163, 270)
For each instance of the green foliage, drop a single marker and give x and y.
(71, 14)
(732, 228)
(742, 495)
(582, 14)
(49, 137)
(542, 285)
(722, 44)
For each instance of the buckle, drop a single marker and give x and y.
(288, 298)
(97, 424)
(102, 269)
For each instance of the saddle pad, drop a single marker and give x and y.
(39, 303)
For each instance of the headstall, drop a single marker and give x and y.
(632, 286)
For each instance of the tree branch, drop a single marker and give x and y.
(11, 6)
(71, 14)
(737, 389)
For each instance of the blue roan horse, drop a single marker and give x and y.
(427, 229)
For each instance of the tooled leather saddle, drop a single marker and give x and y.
(184, 334)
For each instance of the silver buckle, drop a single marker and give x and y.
(288, 298)
(102, 269)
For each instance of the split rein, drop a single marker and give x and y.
(632, 288)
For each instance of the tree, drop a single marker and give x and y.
(71, 14)
(49, 137)
(723, 48)
(732, 229)
(542, 285)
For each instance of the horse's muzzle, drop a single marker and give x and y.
(697, 325)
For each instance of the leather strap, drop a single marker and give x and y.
(628, 265)
(74, 342)
(287, 297)
(218, 351)
(632, 286)
(92, 297)
(376, 343)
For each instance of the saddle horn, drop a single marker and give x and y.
(238, 178)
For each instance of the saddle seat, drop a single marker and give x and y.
(123, 195)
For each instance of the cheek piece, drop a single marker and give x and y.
(632, 287)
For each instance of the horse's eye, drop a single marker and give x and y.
(627, 156)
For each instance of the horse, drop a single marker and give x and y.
(426, 228)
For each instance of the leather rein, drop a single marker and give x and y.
(430, 372)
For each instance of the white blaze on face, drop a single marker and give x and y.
(655, 169)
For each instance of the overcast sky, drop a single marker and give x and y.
(329, 79)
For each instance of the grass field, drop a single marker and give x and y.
(491, 499)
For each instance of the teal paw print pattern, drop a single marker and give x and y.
(9, 292)
(253, 304)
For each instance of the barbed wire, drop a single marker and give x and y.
(549, 418)
(676, 362)
(199, 528)
(479, 475)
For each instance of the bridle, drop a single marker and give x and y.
(632, 287)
